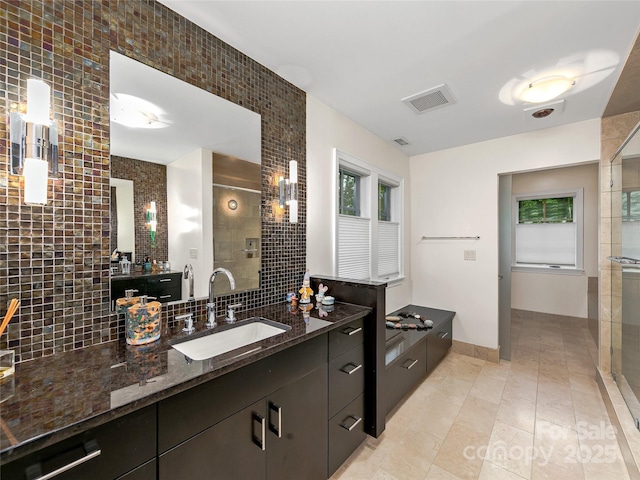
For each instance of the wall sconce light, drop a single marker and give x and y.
(152, 221)
(289, 191)
(232, 204)
(34, 143)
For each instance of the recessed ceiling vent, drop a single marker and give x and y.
(401, 141)
(431, 99)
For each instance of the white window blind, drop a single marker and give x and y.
(546, 243)
(353, 247)
(388, 249)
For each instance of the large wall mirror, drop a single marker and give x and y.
(194, 155)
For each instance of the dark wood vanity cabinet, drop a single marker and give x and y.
(282, 433)
(438, 343)
(346, 392)
(165, 287)
(126, 446)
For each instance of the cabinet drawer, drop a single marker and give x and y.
(143, 472)
(346, 433)
(124, 444)
(164, 281)
(346, 379)
(404, 373)
(345, 338)
(169, 295)
(438, 343)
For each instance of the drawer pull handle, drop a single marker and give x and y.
(353, 369)
(356, 421)
(351, 331)
(443, 334)
(91, 445)
(277, 429)
(165, 279)
(413, 362)
(165, 296)
(259, 440)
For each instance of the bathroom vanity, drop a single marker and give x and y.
(292, 408)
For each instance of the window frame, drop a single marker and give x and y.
(357, 192)
(578, 220)
(370, 176)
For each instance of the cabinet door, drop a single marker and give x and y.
(233, 449)
(438, 343)
(297, 429)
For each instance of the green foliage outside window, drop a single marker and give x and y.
(384, 202)
(348, 193)
(546, 210)
(631, 206)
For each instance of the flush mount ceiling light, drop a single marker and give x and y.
(545, 89)
(135, 112)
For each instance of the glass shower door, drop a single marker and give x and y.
(625, 272)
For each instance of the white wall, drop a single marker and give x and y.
(549, 292)
(455, 193)
(326, 130)
(190, 217)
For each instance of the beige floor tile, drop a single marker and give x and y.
(488, 388)
(478, 415)
(381, 474)
(458, 454)
(518, 413)
(437, 473)
(520, 386)
(490, 471)
(585, 383)
(511, 449)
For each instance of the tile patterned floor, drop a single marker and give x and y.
(539, 416)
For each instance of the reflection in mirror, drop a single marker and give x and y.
(165, 135)
(236, 220)
(122, 220)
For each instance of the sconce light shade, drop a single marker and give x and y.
(232, 204)
(35, 181)
(289, 191)
(34, 143)
(152, 220)
(38, 95)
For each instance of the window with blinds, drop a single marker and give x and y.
(368, 221)
(548, 230)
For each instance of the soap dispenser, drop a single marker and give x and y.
(123, 304)
(143, 322)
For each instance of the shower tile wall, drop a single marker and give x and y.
(55, 258)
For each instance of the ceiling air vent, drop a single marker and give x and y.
(401, 141)
(431, 99)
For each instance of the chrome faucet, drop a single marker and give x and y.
(211, 305)
(188, 275)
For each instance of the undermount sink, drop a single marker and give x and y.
(234, 336)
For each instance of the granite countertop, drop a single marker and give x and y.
(55, 397)
(142, 274)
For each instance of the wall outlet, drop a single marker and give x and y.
(470, 255)
(193, 253)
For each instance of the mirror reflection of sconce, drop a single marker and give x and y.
(232, 204)
(34, 143)
(289, 191)
(152, 221)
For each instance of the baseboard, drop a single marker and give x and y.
(476, 351)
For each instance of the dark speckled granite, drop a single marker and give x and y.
(51, 398)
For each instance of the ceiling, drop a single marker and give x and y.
(363, 57)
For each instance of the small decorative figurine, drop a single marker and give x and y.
(321, 291)
(305, 291)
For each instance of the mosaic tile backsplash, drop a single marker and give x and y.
(55, 258)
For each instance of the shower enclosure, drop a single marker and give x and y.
(625, 271)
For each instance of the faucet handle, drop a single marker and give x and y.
(188, 322)
(231, 312)
(211, 315)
